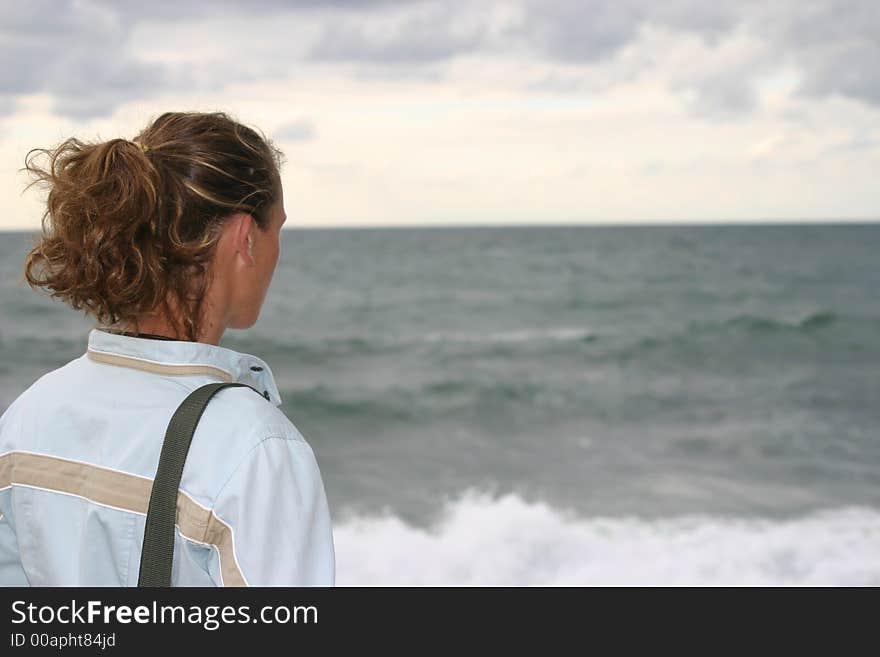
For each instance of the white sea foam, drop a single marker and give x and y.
(506, 541)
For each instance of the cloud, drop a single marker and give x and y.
(834, 44)
(850, 70)
(80, 52)
(579, 31)
(417, 33)
(855, 145)
(75, 52)
(720, 81)
(770, 147)
(176, 11)
(299, 130)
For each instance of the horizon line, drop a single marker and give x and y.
(634, 223)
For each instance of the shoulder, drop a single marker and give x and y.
(54, 381)
(249, 412)
(9, 418)
(32, 401)
(236, 424)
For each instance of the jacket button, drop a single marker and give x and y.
(266, 394)
(254, 368)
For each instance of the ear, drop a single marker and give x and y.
(243, 236)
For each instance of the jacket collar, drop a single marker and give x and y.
(179, 357)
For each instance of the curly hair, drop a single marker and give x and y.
(130, 227)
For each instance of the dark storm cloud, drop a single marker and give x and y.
(79, 52)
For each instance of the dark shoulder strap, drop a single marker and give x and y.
(158, 547)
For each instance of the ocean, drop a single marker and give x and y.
(566, 405)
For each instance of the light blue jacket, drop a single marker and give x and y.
(79, 449)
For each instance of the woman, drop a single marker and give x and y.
(166, 240)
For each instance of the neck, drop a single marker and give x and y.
(214, 318)
(210, 334)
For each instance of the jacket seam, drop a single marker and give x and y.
(245, 458)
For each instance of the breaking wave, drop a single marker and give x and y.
(507, 541)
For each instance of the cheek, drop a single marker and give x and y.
(273, 260)
(277, 252)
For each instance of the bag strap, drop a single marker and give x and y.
(157, 553)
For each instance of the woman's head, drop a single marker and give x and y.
(179, 226)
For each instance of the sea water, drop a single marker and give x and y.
(566, 404)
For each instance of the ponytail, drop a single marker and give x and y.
(130, 226)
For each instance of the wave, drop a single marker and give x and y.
(309, 351)
(320, 350)
(560, 334)
(418, 402)
(482, 540)
(748, 332)
(757, 323)
(323, 401)
(534, 341)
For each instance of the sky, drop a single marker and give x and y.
(448, 112)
